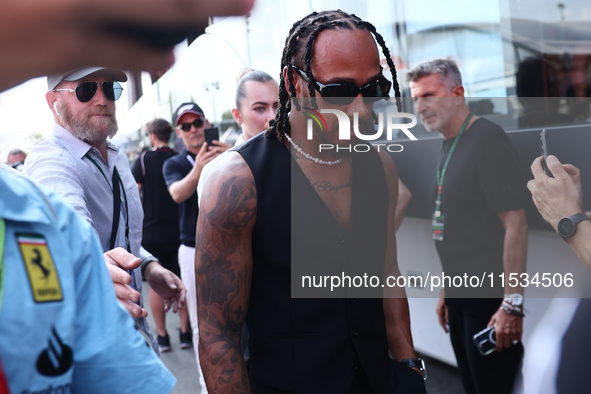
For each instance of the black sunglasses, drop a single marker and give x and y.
(345, 93)
(199, 122)
(85, 91)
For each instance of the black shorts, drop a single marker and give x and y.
(167, 254)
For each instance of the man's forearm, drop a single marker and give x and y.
(398, 328)
(222, 362)
(182, 190)
(223, 285)
(515, 255)
(222, 276)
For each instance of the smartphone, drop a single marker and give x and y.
(544, 144)
(211, 134)
(486, 340)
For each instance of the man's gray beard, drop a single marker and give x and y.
(82, 129)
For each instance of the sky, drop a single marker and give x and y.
(23, 110)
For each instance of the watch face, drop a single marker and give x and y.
(517, 301)
(565, 227)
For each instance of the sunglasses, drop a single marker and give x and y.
(199, 122)
(345, 93)
(85, 91)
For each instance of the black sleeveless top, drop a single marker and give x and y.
(315, 345)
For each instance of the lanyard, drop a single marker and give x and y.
(441, 172)
(116, 175)
(2, 231)
(100, 169)
(191, 160)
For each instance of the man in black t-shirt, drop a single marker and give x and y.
(161, 220)
(182, 173)
(479, 226)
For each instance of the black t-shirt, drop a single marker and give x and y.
(175, 169)
(161, 213)
(484, 176)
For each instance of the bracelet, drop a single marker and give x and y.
(512, 310)
(512, 306)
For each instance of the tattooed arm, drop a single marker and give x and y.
(395, 303)
(223, 271)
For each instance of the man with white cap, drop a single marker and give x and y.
(94, 176)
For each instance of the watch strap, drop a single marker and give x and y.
(578, 218)
(145, 262)
(416, 363)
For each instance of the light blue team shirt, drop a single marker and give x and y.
(62, 329)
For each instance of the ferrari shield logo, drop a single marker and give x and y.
(43, 276)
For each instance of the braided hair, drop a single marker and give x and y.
(295, 52)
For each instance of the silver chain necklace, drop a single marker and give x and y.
(310, 157)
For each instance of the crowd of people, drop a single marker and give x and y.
(217, 231)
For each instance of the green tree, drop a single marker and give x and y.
(33, 139)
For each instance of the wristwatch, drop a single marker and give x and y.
(515, 299)
(567, 226)
(416, 363)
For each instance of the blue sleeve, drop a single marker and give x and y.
(110, 355)
(172, 171)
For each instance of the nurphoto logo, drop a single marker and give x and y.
(345, 129)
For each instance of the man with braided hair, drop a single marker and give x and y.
(253, 235)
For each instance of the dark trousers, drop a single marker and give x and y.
(494, 373)
(167, 255)
(402, 380)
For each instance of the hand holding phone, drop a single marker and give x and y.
(544, 145)
(486, 340)
(211, 134)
